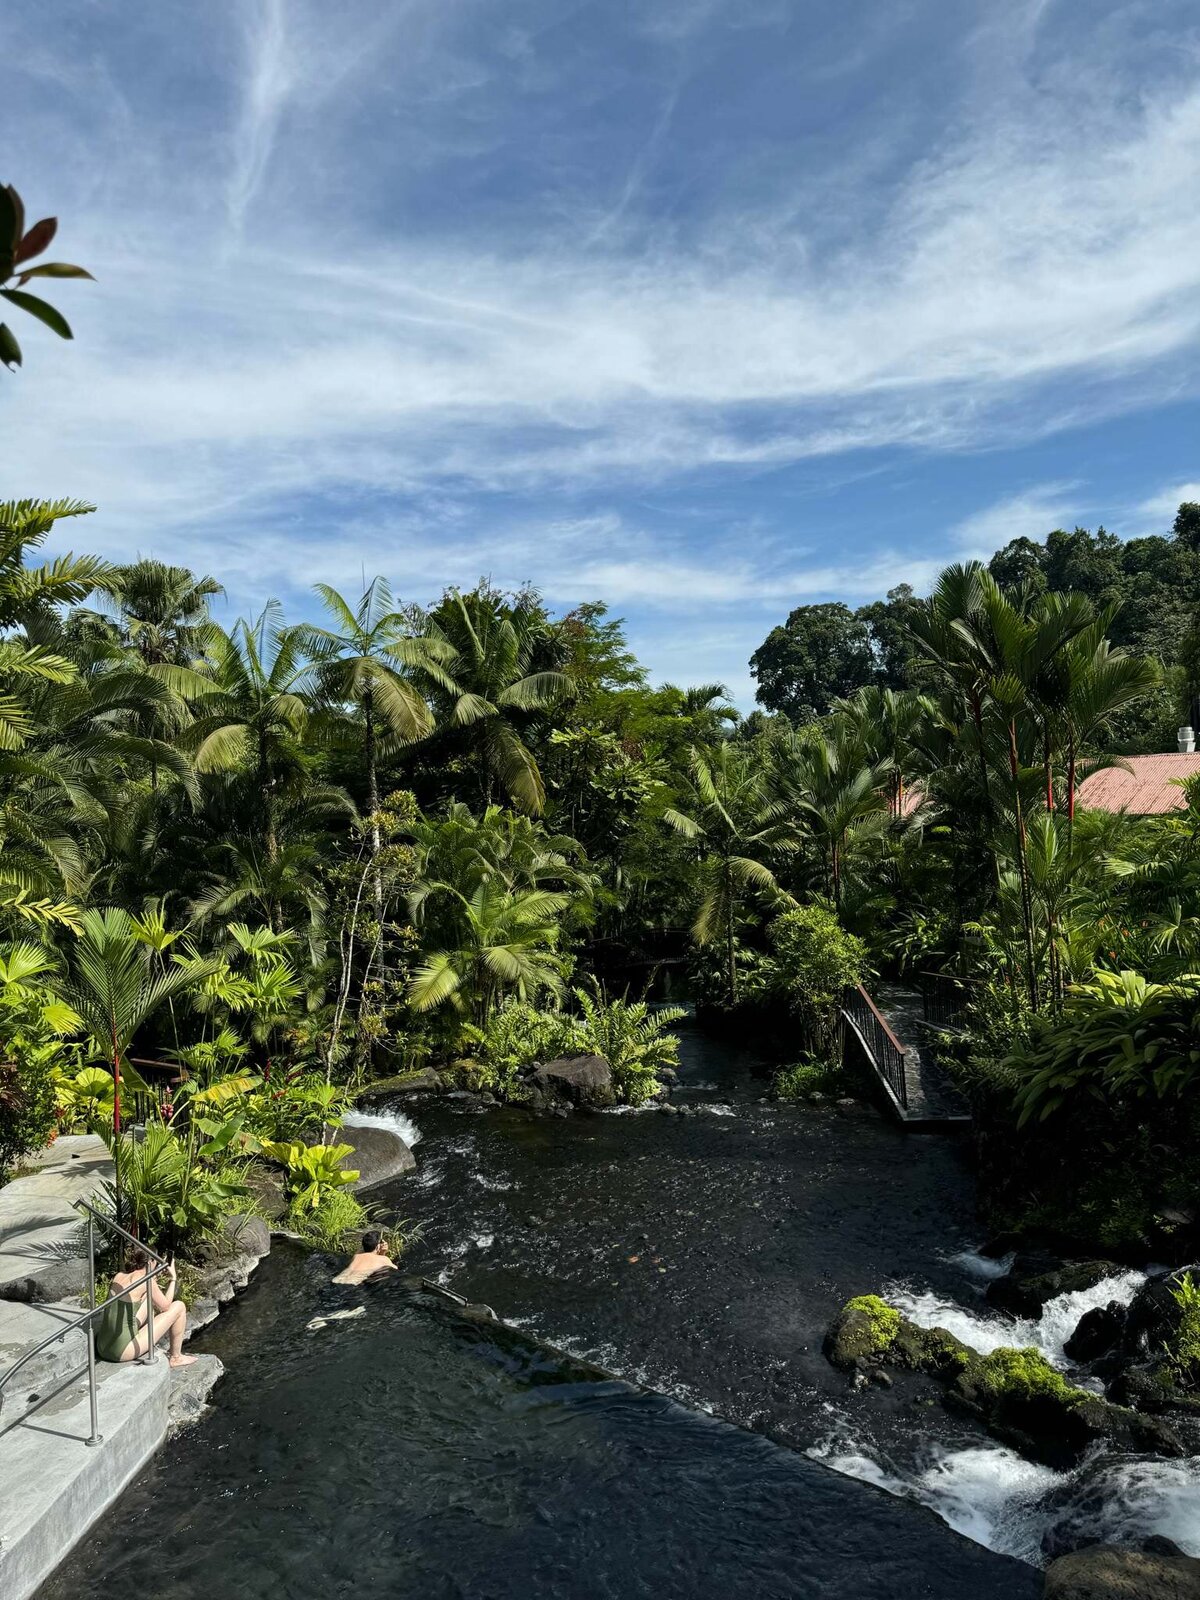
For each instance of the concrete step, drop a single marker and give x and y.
(23, 1326)
(53, 1485)
(42, 1251)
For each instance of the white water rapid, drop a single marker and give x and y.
(394, 1121)
(986, 1330)
(996, 1497)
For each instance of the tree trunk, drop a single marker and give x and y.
(730, 944)
(1023, 864)
(373, 797)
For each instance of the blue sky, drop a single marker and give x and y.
(706, 308)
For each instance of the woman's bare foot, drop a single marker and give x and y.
(182, 1361)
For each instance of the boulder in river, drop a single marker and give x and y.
(578, 1080)
(1107, 1572)
(1097, 1332)
(422, 1081)
(1034, 1280)
(379, 1154)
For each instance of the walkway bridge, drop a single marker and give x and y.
(892, 1035)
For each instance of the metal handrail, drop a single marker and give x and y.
(885, 1050)
(88, 1318)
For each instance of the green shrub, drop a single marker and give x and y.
(32, 1055)
(1119, 1036)
(631, 1038)
(337, 1214)
(815, 961)
(807, 1078)
(517, 1035)
(1184, 1355)
(168, 1190)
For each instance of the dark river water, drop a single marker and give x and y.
(700, 1257)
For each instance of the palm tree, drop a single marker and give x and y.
(891, 725)
(364, 664)
(256, 711)
(825, 787)
(113, 989)
(503, 940)
(482, 667)
(162, 610)
(724, 819)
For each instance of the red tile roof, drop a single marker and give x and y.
(1151, 788)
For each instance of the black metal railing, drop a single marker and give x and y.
(943, 998)
(883, 1047)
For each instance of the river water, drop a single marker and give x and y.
(403, 1451)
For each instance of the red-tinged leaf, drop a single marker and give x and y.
(36, 240)
(10, 350)
(39, 309)
(54, 269)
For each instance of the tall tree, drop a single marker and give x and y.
(484, 674)
(366, 662)
(724, 819)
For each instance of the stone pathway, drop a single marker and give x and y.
(42, 1254)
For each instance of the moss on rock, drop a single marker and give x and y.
(862, 1331)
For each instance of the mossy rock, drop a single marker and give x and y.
(1024, 1401)
(862, 1331)
(932, 1350)
(422, 1080)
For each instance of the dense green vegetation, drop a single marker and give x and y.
(271, 864)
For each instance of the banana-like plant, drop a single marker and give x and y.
(311, 1170)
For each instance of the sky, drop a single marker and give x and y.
(703, 308)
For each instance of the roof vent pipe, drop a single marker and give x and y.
(1185, 739)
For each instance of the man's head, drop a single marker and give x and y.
(374, 1244)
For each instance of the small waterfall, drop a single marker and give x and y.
(394, 1121)
(995, 1497)
(986, 1330)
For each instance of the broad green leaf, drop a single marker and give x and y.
(10, 350)
(54, 269)
(41, 310)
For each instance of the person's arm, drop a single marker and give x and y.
(162, 1299)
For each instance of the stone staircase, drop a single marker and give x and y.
(53, 1485)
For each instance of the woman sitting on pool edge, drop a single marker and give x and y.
(121, 1332)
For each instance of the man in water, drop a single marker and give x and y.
(372, 1258)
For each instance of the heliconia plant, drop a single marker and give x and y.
(19, 245)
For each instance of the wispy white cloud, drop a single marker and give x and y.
(388, 298)
(1157, 513)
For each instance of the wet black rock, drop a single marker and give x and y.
(576, 1080)
(1154, 1317)
(378, 1155)
(1097, 1332)
(1035, 1280)
(1106, 1572)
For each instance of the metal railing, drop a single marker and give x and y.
(943, 997)
(885, 1050)
(87, 1319)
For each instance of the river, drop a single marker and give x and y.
(699, 1256)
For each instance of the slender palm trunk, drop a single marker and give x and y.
(730, 942)
(1070, 790)
(117, 1123)
(373, 797)
(1023, 863)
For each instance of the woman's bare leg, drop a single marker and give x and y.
(170, 1322)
